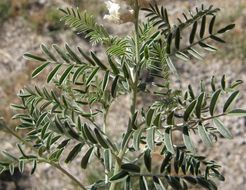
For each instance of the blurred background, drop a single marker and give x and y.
(25, 24)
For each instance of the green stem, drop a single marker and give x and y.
(104, 131)
(134, 97)
(105, 120)
(61, 169)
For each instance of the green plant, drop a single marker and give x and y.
(86, 87)
(52, 17)
(5, 10)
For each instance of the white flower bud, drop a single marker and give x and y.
(118, 13)
(113, 9)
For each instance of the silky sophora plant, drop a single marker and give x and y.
(61, 123)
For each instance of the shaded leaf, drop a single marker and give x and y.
(127, 185)
(170, 118)
(211, 24)
(87, 58)
(223, 82)
(230, 101)
(91, 76)
(65, 74)
(213, 83)
(53, 73)
(122, 175)
(61, 53)
(98, 62)
(199, 104)
(177, 39)
(237, 112)
(190, 179)
(74, 152)
(213, 37)
(207, 47)
(203, 26)
(48, 53)
(102, 141)
(174, 182)
(147, 159)
(30, 56)
(158, 184)
(193, 32)
(214, 101)
(169, 42)
(89, 134)
(143, 183)
(86, 158)
(113, 66)
(105, 81)
(73, 55)
(131, 167)
(149, 116)
(39, 69)
(236, 84)
(125, 71)
(165, 162)
(189, 110)
(204, 183)
(78, 72)
(114, 86)
(225, 29)
(34, 166)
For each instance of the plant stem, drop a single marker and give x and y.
(152, 175)
(104, 131)
(42, 159)
(61, 169)
(133, 96)
(105, 120)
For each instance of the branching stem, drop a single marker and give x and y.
(42, 159)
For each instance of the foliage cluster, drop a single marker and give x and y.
(85, 87)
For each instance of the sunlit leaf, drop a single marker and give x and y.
(168, 140)
(204, 135)
(187, 140)
(222, 128)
